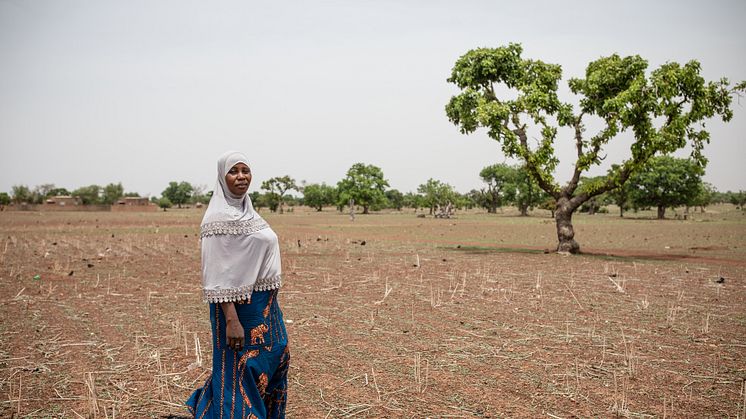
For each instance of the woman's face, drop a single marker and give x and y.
(238, 179)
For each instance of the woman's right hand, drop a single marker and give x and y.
(234, 333)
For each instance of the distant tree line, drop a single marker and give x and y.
(667, 182)
(88, 195)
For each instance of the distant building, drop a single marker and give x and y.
(134, 201)
(63, 200)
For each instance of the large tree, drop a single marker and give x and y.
(705, 196)
(178, 192)
(21, 194)
(737, 198)
(319, 195)
(526, 193)
(365, 185)
(516, 99)
(41, 192)
(666, 182)
(111, 193)
(436, 193)
(395, 199)
(89, 195)
(277, 187)
(498, 177)
(620, 195)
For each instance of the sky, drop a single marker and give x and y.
(148, 92)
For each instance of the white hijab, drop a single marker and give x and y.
(240, 252)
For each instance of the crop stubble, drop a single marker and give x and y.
(466, 317)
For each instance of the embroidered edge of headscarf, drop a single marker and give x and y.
(233, 227)
(241, 293)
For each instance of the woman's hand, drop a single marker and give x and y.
(234, 333)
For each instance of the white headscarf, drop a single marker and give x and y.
(240, 252)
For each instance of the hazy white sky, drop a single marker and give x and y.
(146, 92)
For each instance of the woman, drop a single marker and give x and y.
(240, 279)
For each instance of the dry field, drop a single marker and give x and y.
(389, 316)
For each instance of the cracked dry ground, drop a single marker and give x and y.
(486, 324)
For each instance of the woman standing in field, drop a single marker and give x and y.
(241, 278)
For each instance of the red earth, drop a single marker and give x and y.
(389, 315)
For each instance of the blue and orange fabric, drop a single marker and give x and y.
(250, 383)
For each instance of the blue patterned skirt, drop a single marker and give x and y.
(252, 382)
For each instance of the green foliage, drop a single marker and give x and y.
(256, 199)
(526, 193)
(619, 195)
(592, 205)
(270, 200)
(317, 196)
(364, 184)
(58, 192)
(413, 200)
(164, 203)
(89, 195)
(111, 193)
(461, 201)
(498, 177)
(277, 187)
(664, 111)
(178, 192)
(21, 194)
(131, 195)
(199, 196)
(705, 195)
(4, 198)
(436, 193)
(395, 199)
(41, 192)
(549, 204)
(667, 182)
(737, 198)
(507, 185)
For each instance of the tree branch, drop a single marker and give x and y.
(579, 145)
(520, 131)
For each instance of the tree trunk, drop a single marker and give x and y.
(565, 232)
(621, 211)
(524, 210)
(365, 209)
(492, 209)
(661, 212)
